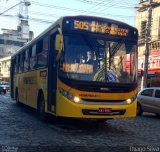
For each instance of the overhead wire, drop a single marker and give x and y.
(109, 6)
(66, 8)
(69, 9)
(100, 4)
(115, 4)
(9, 8)
(33, 19)
(77, 10)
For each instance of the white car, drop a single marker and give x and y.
(149, 101)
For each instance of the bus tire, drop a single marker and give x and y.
(139, 109)
(41, 107)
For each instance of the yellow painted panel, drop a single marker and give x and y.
(68, 108)
(29, 84)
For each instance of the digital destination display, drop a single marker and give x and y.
(78, 68)
(100, 27)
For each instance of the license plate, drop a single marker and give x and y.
(105, 110)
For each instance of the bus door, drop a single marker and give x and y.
(52, 75)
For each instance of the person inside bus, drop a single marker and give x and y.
(91, 59)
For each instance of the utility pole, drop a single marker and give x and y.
(147, 39)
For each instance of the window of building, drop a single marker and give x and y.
(143, 29)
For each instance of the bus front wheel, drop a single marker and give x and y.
(41, 107)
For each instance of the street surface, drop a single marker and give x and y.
(22, 130)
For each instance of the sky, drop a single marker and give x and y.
(42, 13)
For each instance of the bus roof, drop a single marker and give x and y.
(99, 18)
(59, 22)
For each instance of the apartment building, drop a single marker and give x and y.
(153, 39)
(5, 69)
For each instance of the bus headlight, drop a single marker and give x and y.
(69, 96)
(76, 99)
(129, 101)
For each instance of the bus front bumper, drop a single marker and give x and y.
(66, 108)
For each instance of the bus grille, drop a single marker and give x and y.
(102, 101)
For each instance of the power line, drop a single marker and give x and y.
(75, 10)
(67, 9)
(71, 9)
(9, 8)
(100, 4)
(33, 19)
(110, 5)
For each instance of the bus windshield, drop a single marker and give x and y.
(94, 59)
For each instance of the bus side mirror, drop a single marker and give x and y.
(59, 43)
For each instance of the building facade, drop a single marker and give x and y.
(153, 36)
(5, 68)
(10, 42)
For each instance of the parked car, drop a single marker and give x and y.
(4, 87)
(149, 101)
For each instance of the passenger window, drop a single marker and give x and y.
(33, 59)
(157, 94)
(21, 62)
(26, 60)
(43, 52)
(17, 64)
(15, 69)
(147, 92)
(13, 65)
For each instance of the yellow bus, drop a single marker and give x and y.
(80, 67)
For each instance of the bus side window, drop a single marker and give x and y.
(21, 64)
(26, 60)
(42, 50)
(13, 65)
(17, 64)
(33, 58)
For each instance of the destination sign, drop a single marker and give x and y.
(78, 68)
(100, 27)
